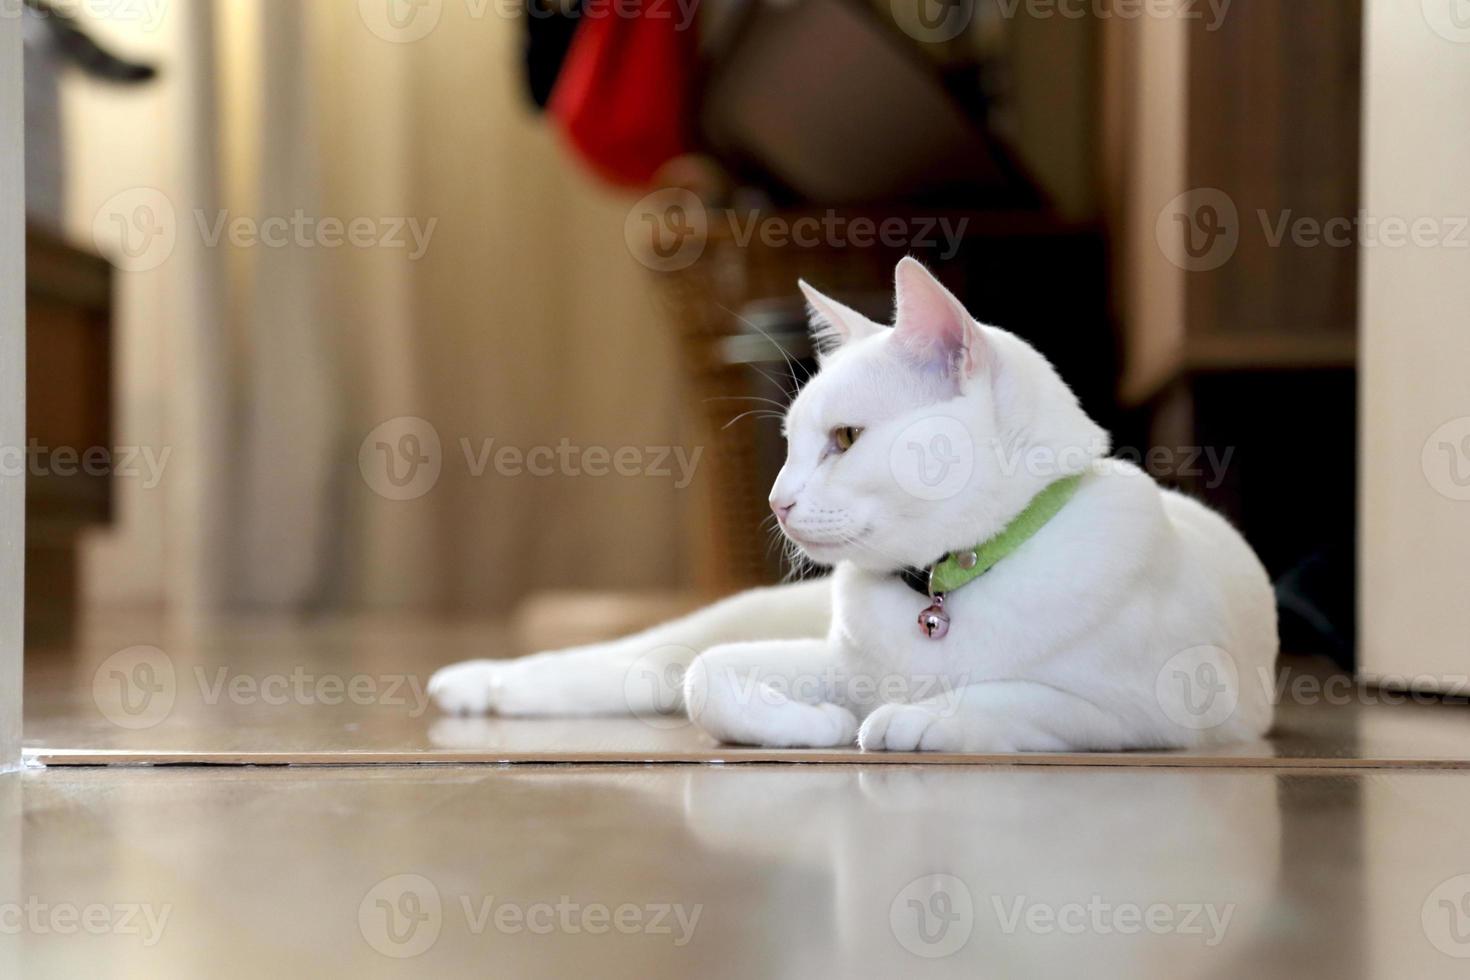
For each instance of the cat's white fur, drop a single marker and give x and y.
(1135, 618)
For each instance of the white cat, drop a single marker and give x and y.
(1116, 615)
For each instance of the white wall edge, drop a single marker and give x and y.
(12, 387)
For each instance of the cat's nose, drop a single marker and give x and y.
(782, 508)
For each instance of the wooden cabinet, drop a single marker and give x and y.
(68, 424)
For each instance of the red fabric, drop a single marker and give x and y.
(624, 94)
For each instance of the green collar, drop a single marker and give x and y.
(963, 567)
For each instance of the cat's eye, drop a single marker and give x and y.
(844, 436)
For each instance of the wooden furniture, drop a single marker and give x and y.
(741, 316)
(1243, 134)
(68, 424)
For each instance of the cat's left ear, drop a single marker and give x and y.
(933, 327)
(835, 325)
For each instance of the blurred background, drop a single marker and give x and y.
(479, 308)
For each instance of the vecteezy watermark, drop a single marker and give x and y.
(403, 458)
(654, 687)
(933, 21)
(406, 21)
(306, 689)
(145, 463)
(145, 15)
(1201, 230)
(1446, 459)
(1450, 19)
(669, 229)
(1100, 917)
(1285, 684)
(1201, 687)
(1198, 688)
(933, 458)
(37, 917)
(135, 688)
(1365, 230)
(938, 21)
(1445, 917)
(933, 916)
(403, 917)
(1206, 463)
(139, 229)
(301, 230)
(139, 688)
(657, 683)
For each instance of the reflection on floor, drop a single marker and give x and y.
(1337, 848)
(761, 871)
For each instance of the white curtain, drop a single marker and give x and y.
(525, 321)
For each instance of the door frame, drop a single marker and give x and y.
(12, 389)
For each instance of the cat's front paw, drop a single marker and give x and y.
(910, 728)
(468, 688)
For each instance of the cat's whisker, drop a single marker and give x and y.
(791, 363)
(747, 398)
(758, 413)
(773, 382)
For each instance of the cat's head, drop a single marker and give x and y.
(921, 438)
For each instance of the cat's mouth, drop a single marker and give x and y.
(828, 542)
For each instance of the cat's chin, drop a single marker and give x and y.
(830, 553)
(821, 552)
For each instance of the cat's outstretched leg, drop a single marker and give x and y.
(998, 717)
(779, 694)
(639, 674)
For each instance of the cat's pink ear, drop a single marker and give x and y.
(834, 325)
(932, 327)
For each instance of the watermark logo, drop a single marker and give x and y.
(37, 917)
(138, 228)
(653, 682)
(143, 463)
(1199, 230)
(1102, 917)
(1199, 688)
(305, 689)
(298, 229)
(933, 21)
(1282, 684)
(568, 459)
(402, 458)
(401, 21)
(933, 458)
(669, 229)
(653, 687)
(135, 688)
(1446, 459)
(938, 21)
(401, 916)
(1446, 917)
(933, 916)
(146, 15)
(1450, 19)
(666, 231)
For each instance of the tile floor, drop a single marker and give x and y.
(1338, 847)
